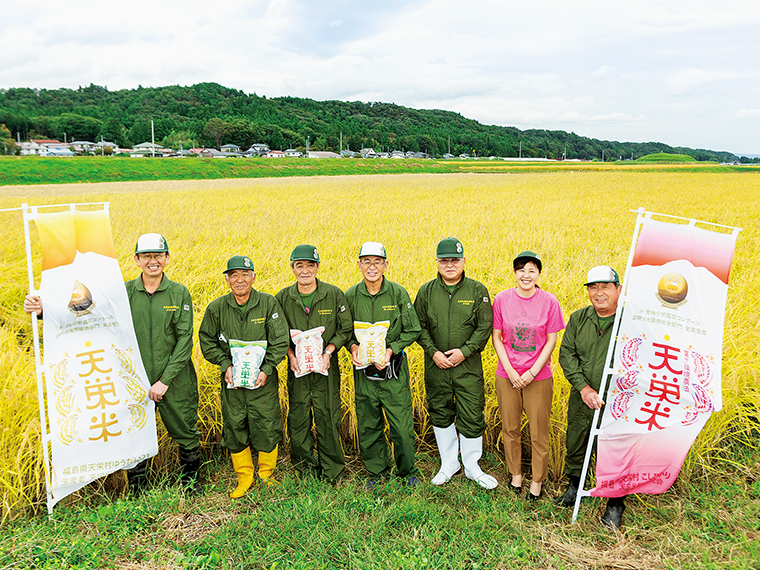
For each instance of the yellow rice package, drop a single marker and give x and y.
(308, 348)
(371, 337)
(247, 357)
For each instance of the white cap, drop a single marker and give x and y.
(602, 274)
(372, 248)
(151, 243)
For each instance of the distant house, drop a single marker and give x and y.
(347, 153)
(293, 153)
(368, 153)
(213, 153)
(30, 148)
(147, 149)
(322, 154)
(230, 148)
(275, 154)
(397, 154)
(257, 149)
(448, 156)
(82, 146)
(383, 155)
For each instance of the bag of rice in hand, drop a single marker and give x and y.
(309, 347)
(371, 337)
(247, 356)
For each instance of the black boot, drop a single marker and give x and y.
(190, 461)
(138, 478)
(613, 516)
(568, 499)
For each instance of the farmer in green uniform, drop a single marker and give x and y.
(382, 390)
(457, 320)
(314, 397)
(162, 313)
(251, 418)
(582, 355)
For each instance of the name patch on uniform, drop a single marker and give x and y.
(390, 307)
(466, 302)
(171, 307)
(258, 321)
(325, 311)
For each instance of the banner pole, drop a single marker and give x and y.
(608, 370)
(44, 435)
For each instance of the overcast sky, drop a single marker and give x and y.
(682, 73)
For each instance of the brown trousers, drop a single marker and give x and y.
(536, 400)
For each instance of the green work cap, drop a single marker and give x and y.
(448, 248)
(305, 252)
(239, 262)
(528, 256)
(151, 243)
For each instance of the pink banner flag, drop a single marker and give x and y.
(666, 378)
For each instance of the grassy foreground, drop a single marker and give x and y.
(309, 524)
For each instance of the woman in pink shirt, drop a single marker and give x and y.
(526, 321)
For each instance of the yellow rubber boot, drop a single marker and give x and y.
(267, 463)
(243, 464)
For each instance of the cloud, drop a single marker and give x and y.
(651, 69)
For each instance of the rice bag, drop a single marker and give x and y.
(309, 347)
(247, 356)
(371, 337)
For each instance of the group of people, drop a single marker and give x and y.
(452, 319)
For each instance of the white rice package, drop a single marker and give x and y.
(247, 356)
(309, 347)
(371, 337)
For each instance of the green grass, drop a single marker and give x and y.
(310, 524)
(663, 157)
(26, 170)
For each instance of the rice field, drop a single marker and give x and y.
(574, 220)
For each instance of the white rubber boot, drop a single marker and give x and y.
(448, 448)
(472, 449)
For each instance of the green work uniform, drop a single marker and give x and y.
(581, 355)
(461, 318)
(250, 418)
(392, 396)
(163, 322)
(315, 398)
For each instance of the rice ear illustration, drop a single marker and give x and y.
(68, 429)
(60, 378)
(81, 300)
(65, 401)
(138, 416)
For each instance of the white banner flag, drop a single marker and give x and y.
(99, 414)
(666, 376)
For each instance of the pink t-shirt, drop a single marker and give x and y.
(524, 326)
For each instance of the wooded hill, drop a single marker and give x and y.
(208, 114)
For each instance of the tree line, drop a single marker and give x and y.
(209, 114)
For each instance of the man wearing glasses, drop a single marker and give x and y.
(162, 314)
(383, 389)
(456, 317)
